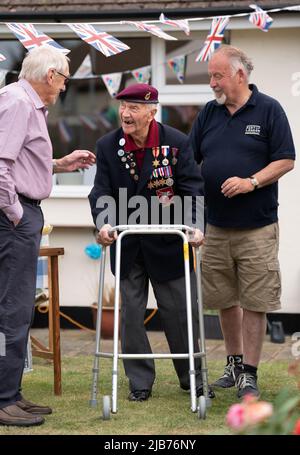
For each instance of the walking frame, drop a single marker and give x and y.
(204, 400)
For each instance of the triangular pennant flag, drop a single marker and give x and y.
(183, 24)
(31, 38)
(102, 41)
(3, 74)
(88, 122)
(151, 28)
(178, 65)
(213, 39)
(85, 69)
(64, 131)
(260, 18)
(142, 75)
(2, 58)
(112, 82)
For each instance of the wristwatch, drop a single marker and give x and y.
(254, 181)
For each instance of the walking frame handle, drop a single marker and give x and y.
(151, 227)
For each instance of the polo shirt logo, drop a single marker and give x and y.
(252, 129)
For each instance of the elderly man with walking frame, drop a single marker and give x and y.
(147, 159)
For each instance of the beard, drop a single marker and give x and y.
(221, 99)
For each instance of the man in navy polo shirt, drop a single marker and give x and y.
(244, 143)
(147, 159)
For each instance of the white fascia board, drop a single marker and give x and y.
(287, 20)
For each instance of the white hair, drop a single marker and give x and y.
(37, 62)
(238, 59)
(151, 106)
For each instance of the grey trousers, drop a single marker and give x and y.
(19, 247)
(171, 302)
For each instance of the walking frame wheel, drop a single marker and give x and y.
(106, 407)
(202, 407)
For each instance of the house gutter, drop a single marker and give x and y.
(150, 14)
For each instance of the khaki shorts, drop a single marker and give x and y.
(240, 267)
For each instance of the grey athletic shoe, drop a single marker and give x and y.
(231, 371)
(247, 385)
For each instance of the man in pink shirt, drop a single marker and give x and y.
(26, 168)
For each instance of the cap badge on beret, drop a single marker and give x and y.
(147, 96)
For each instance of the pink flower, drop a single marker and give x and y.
(257, 412)
(296, 429)
(250, 412)
(235, 417)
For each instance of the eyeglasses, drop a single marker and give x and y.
(67, 79)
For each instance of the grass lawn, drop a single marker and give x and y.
(167, 412)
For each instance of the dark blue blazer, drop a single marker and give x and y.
(161, 254)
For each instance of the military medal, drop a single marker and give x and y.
(165, 151)
(174, 154)
(165, 196)
(128, 160)
(170, 182)
(155, 153)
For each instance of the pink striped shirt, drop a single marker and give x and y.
(25, 148)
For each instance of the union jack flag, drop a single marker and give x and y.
(31, 38)
(151, 28)
(102, 41)
(260, 18)
(213, 39)
(2, 58)
(183, 24)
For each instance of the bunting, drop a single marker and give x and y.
(88, 122)
(31, 38)
(142, 75)
(2, 58)
(102, 41)
(178, 65)
(112, 82)
(213, 39)
(151, 28)
(64, 131)
(85, 69)
(260, 18)
(183, 24)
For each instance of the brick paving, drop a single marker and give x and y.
(80, 342)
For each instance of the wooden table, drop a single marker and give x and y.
(53, 351)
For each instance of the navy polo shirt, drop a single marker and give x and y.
(241, 145)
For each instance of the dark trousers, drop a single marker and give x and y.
(171, 301)
(19, 247)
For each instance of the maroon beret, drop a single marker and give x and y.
(139, 93)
